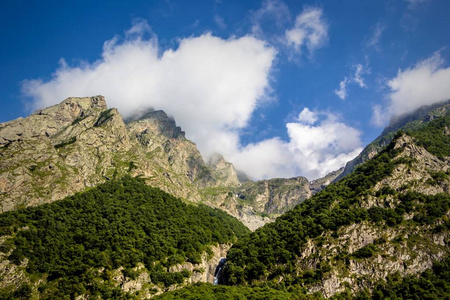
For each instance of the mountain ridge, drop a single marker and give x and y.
(389, 216)
(81, 143)
(412, 120)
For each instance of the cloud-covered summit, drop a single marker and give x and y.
(211, 86)
(425, 83)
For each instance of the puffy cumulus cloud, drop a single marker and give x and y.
(307, 116)
(323, 147)
(310, 31)
(267, 159)
(210, 85)
(315, 148)
(424, 84)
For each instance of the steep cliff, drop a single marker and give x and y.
(80, 143)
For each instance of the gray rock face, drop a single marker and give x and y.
(406, 248)
(409, 121)
(223, 170)
(79, 143)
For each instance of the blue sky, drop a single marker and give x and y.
(280, 88)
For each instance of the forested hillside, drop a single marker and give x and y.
(75, 246)
(390, 216)
(409, 122)
(431, 284)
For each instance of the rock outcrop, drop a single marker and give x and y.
(406, 122)
(361, 254)
(389, 218)
(142, 284)
(80, 143)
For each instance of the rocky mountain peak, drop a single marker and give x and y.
(47, 122)
(81, 143)
(73, 108)
(222, 170)
(161, 124)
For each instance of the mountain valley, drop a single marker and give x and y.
(98, 207)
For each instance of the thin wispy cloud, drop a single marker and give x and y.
(414, 4)
(357, 78)
(373, 41)
(273, 14)
(359, 72)
(220, 22)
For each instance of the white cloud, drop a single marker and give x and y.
(424, 84)
(342, 91)
(211, 86)
(310, 31)
(307, 116)
(313, 150)
(359, 71)
(380, 116)
(357, 78)
(324, 147)
(374, 39)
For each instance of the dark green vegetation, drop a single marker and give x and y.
(409, 123)
(431, 284)
(431, 138)
(117, 224)
(271, 252)
(207, 291)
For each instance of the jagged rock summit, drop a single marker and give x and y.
(80, 143)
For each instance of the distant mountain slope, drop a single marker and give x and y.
(80, 143)
(121, 232)
(408, 122)
(390, 216)
(431, 284)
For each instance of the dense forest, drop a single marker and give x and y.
(73, 247)
(271, 252)
(117, 224)
(431, 284)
